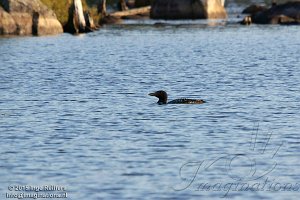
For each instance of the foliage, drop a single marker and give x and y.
(61, 8)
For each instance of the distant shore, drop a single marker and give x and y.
(44, 17)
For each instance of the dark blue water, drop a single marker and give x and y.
(75, 112)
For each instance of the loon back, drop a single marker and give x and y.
(186, 101)
(163, 97)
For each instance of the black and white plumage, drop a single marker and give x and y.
(163, 99)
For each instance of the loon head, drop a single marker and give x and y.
(161, 95)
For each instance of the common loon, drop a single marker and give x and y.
(163, 97)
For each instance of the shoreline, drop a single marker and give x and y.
(43, 20)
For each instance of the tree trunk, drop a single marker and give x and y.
(89, 21)
(79, 16)
(135, 11)
(123, 5)
(102, 8)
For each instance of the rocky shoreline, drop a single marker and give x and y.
(284, 14)
(32, 17)
(27, 17)
(188, 9)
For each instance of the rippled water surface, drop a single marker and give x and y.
(75, 112)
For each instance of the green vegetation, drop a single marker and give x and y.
(61, 8)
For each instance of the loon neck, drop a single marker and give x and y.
(161, 102)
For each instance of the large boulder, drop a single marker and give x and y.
(287, 13)
(7, 23)
(254, 8)
(188, 9)
(30, 17)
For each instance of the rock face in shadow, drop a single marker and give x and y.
(187, 9)
(142, 3)
(255, 8)
(286, 14)
(27, 17)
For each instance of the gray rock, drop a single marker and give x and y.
(31, 17)
(187, 9)
(287, 13)
(254, 8)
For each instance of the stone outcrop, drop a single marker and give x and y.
(254, 8)
(27, 17)
(7, 23)
(188, 9)
(286, 14)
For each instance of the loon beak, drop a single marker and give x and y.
(152, 94)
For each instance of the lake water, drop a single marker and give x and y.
(75, 112)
